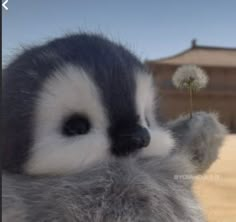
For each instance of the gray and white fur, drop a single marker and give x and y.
(119, 164)
(77, 100)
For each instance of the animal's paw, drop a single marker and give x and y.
(199, 137)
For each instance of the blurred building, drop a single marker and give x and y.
(220, 94)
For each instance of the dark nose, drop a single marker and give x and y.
(139, 138)
(129, 140)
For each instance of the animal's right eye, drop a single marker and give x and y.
(76, 124)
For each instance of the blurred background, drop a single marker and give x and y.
(165, 35)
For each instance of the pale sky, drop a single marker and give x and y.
(151, 28)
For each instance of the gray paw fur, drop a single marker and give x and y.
(200, 138)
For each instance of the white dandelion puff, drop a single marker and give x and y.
(190, 77)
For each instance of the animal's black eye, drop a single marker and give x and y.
(75, 124)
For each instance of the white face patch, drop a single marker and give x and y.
(68, 91)
(162, 141)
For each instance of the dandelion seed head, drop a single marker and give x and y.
(187, 76)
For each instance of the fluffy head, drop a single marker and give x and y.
(77, 100)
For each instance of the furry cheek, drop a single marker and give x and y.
(57, 155)
(161, 144)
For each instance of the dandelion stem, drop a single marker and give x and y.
(192, 78)
(191, 100)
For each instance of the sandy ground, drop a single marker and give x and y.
(216, 190)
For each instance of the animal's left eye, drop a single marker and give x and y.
(76, 124)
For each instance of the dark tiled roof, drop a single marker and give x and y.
(202, 55)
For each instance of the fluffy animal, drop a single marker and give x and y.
(82, 141)
(75, 101)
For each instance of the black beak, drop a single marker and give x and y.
(129, 140)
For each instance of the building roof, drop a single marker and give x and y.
(203, 56)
